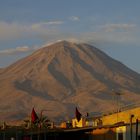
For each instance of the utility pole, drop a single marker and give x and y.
(118, 106)
(131, 135)
(137, 123)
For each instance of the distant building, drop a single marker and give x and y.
(63, 125)
(117, 126)
(123, 116)
(81, 123)
(67, 124)
(86, 121)
(120, 132)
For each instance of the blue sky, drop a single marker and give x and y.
(111, 25)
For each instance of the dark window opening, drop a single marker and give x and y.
(120, 136)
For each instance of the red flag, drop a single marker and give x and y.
(78, 115)
(34, 116)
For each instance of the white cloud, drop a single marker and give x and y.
(117, 27)
(17, 50)
(114, 33)
(54, 22)
(104, 38)
(74, 18)
(98, 38)
(14, 31)
(42, 24)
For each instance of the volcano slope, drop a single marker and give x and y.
(64, 75)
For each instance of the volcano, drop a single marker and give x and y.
(64, 75)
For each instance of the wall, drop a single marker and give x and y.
(104, 134)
